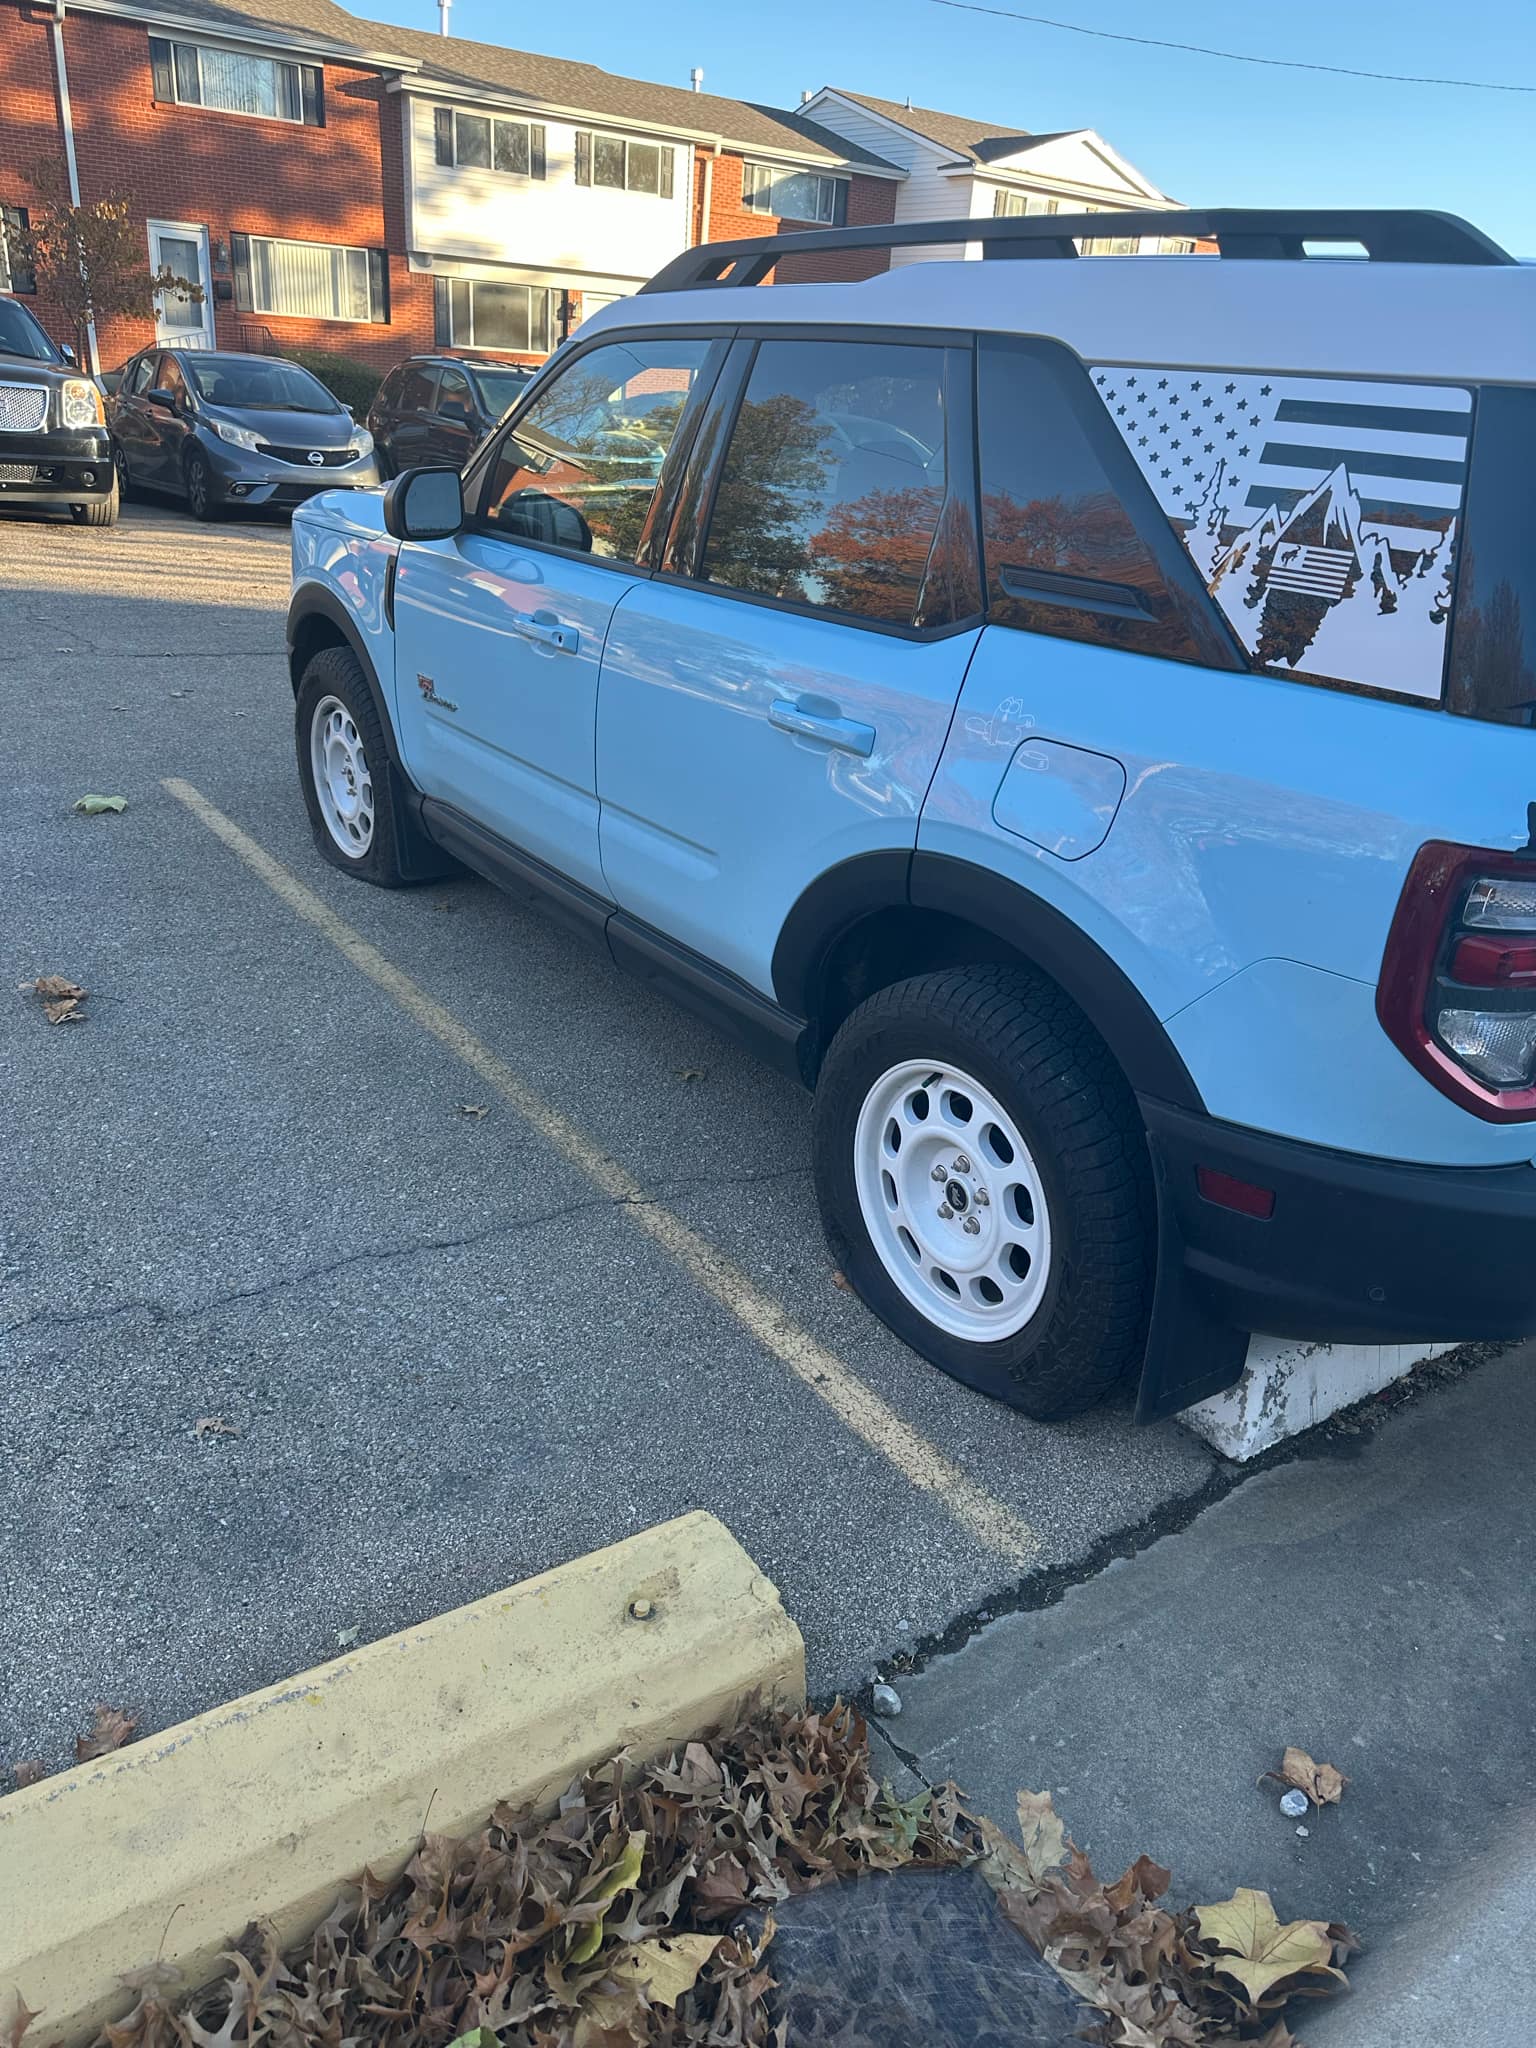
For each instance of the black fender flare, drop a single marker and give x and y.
(896, 879)
(314, 601)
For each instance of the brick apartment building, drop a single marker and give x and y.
(374, 191)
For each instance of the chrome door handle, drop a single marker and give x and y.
(846, 734)
(549, 633)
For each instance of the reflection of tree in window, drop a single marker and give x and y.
(582, 468)
(834, 479)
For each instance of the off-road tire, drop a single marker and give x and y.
(335, 672)
(1023, 1038)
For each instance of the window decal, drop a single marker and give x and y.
(1321, 513)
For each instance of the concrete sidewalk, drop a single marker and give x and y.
(1369, 1601)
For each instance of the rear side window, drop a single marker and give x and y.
(415, 390)
(1074, 541)
(1493, 636)
(1321, 513)
(834, 478)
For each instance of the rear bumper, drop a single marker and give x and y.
(60, 464)
(1358, 1250)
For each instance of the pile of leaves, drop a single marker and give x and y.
(1210, 1974)
(640, 1915)
(607, 1925)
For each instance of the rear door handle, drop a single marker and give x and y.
(846, 734)
(548, 632)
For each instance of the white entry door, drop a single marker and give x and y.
(182, 246)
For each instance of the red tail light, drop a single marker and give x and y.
(1457, 993)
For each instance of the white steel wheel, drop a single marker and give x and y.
(343, 785)
(952, 1200)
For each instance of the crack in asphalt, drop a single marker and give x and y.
(162, 1317)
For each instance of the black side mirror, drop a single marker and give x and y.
(424, 504)
(161, 397)
(67, 352)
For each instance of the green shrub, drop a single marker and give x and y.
(354, 383)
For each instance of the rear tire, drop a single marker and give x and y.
(984, 1184)
(103, 512)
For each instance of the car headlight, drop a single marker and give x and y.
(80, 404)
(238, 437)
(361, 444)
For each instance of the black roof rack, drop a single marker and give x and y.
(1254, 232)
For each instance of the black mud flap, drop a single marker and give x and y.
(1191, 1350)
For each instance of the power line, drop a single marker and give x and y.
(1106, 35)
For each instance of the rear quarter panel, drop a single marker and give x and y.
(1263, 821)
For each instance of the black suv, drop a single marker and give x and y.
(54, 446)
(438, 408)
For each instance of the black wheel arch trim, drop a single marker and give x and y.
(315, 601)
(894, 879)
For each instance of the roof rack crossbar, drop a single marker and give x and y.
(1243, 232)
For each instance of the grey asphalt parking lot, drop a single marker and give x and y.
(247, 1189)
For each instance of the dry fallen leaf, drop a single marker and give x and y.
(60, 999)
(1322, 1784)
(475, 1109)
(1255, 1949)
(94, 806)
(665, 1967)
(30, 1771)
(110, 1729)
(690, 1074)
(213, 1425)
(1042, 1833)
(841, 1280)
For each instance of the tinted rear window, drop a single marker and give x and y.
(1493, 635)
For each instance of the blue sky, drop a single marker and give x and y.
(1212, 133)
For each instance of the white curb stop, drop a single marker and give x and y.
(1288, 1386)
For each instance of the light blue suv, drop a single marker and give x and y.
(1076, 715)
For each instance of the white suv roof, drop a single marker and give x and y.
(1469, 316)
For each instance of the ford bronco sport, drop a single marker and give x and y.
(1075, 714)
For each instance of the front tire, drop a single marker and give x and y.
(200, 493)
(984, 1184)
(102, 512)
(344, 770)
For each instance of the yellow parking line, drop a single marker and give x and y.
(855, 1405)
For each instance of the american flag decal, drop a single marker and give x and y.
(1321, 511)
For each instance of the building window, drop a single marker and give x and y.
(1005, 205)
(237, 82)
(309, 280)
(15, 276)
(480, 143)
(621, 166)
(473, 312)
(794, 195)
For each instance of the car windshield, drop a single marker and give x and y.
(266, 386)
(500, 389)
(20, 335)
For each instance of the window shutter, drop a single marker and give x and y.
(442, 313)
(583, 157)
(667, 157)
(536, 152)
(839, 202)
(14, 220)
(163, 68)
(442, 131)
(378, 286)
(312, 88)
(240, 260)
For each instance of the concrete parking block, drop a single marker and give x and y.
(261, 1808)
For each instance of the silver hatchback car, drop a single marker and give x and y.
(222, 430)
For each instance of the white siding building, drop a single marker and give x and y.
(959, 169)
